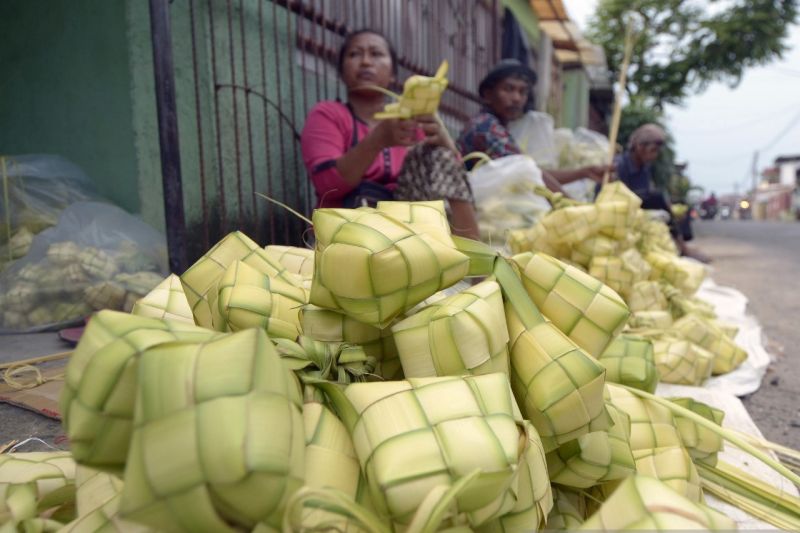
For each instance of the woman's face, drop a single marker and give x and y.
(367, 61)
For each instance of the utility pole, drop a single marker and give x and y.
(754, 172)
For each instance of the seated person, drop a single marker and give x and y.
(634, 167)
(505, 91)
(354, 159)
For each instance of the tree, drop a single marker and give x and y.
(683, 45)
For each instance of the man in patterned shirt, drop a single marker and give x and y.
(505, 91)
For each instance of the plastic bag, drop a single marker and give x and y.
(35, 189)
(535, 135)
(581, 148)
(96, 257)
(504, 195)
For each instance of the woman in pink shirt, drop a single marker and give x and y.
(353, 159)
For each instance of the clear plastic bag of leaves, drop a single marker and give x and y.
(96, 257)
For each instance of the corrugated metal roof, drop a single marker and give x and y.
(571, 46)
(549, 9)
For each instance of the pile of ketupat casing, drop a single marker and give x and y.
(616, 242)
(337, 389)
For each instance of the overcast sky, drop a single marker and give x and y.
(718, 130)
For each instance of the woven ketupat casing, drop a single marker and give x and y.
(621, 272)
(465, 333)
(569, 510)
(201, 279)
(586, 310)
(33, 483)
(557, 385)
(98, 497)
(299, 261)
(97, 402)
(373, 267)
(330, 461)
(595, 457)
(683, 274)
(422, 217)
(647, 296)
(614, 219)
(219, 439)
(332, 326)
(571, 225)
(652, 425)
(534, 239)
(431, 442)
(167, 300)
(616, 191)
(650, 320)
(643, 503)
(727, 354)
(656, 444)
(597, 246)
(674, 467)
(701, 443)
(421, 96)
(251, 299)
(629, 361)
(681, 362)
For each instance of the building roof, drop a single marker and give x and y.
(786, 159)
(570, 44)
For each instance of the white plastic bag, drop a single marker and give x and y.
(534, 134)
(581, 148)
(505, 197)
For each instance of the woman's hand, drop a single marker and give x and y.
(435, 132)
(394, 132)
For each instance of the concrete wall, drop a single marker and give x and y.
(65, 89)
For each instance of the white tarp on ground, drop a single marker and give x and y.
(731, 307)
(722, 391)
(736, 417)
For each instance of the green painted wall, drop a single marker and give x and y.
(83, 87)
(575, 101)
(65, 88)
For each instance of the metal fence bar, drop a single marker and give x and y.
(267, 137)
(223, 210)
(168, 138)
(257, 230)
(199, 125)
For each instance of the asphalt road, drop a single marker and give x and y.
(762, 260)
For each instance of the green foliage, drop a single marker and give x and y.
(683, 45)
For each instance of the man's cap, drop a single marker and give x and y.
(504, 69)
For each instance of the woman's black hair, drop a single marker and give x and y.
(349, 39)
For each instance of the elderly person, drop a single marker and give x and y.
(354, 159)
(634, 168)
(505, 92)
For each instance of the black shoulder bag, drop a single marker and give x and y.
(369, 193)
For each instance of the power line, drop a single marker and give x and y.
(740, 155)
(756, 120)
(792, 123)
